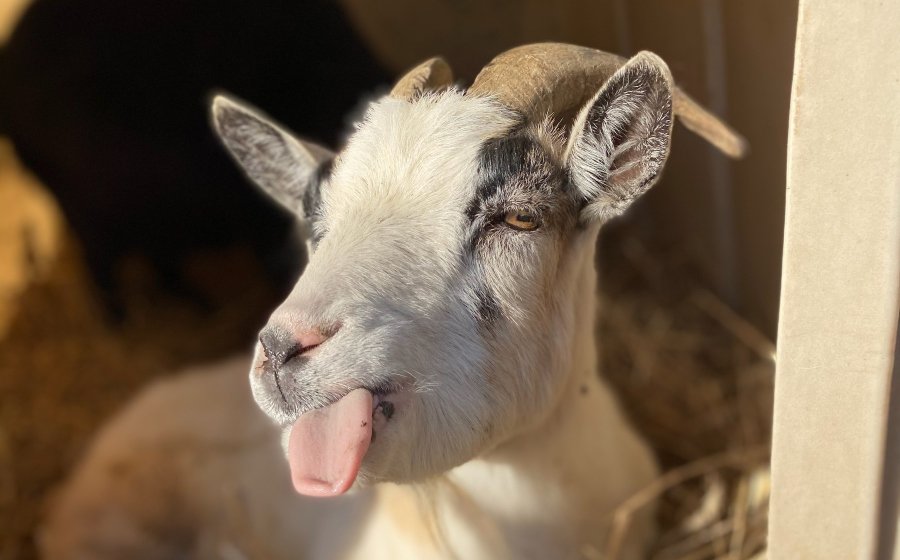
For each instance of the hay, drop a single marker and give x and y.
(697, 380)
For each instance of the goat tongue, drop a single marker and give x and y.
(327, 445)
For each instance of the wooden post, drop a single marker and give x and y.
(839, 299)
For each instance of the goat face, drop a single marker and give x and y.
(435, 317)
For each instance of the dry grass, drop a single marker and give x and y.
(695, 378)
(698, 381)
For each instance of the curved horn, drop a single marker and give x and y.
(433, 74)
(559, 78)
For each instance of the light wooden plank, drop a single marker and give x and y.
(839, 300)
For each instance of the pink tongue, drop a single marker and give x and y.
(327, 445)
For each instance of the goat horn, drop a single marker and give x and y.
(433, 74)
(559, 78)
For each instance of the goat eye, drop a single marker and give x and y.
(521, 220)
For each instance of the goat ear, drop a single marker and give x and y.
(286, 168)
(620, 140)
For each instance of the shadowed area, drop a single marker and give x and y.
(112, 114)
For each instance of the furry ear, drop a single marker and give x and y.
(620, 140)
(286, 168)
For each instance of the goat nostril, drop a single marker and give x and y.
(293, 352)
(280, 346)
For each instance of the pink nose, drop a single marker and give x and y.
(280, 345)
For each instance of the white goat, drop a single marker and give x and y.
(439, 348)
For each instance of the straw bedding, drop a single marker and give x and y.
(697, 380)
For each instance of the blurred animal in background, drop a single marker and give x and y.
(438, 353)
(104, 101)
(191, 469)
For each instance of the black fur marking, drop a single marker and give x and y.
(488, 308)
(387, 408)
(501, 160)
(317, 237)
(516, 172)
(312, 194)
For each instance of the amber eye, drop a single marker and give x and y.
(521, 219)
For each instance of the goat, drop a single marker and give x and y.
(438, 351)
